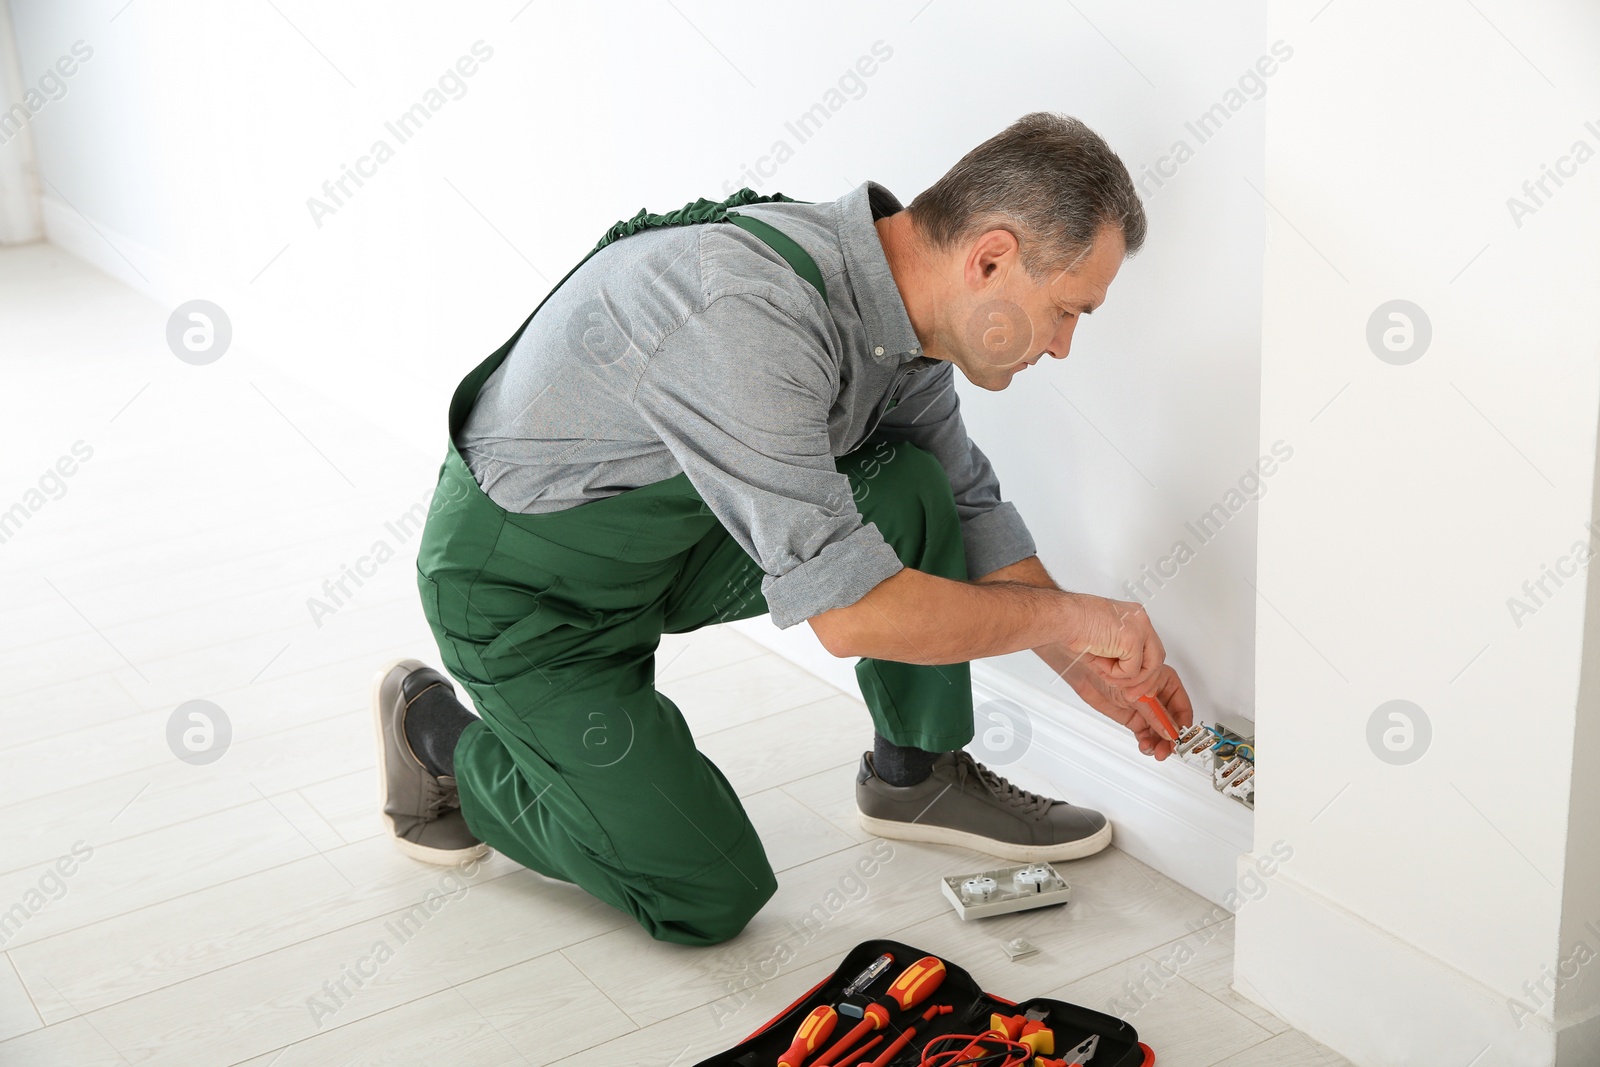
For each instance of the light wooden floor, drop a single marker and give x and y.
(207, 905)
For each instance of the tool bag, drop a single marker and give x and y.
(1119, 1044)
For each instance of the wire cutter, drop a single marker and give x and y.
(1077, 1056)
(1081, 1055)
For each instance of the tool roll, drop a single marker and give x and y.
(917, 1008)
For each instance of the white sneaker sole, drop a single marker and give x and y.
(438, 856)
(943, 835)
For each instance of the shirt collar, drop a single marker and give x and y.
(890, 339)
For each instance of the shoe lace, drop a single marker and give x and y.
(439, 796)
(1029, 802)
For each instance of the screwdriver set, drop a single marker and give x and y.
(891, 1005)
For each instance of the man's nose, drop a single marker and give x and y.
(1061, 343)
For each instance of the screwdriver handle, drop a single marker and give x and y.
(917, 982)
(814, 1030)
(1163, 720)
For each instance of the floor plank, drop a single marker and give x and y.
(1118, 907)
(207, 929)
(349, 974)
(1205, 959)
(685, 655)
(790, 745)
(1184, 1026)
(740, 694)
(821, 910)
(523, 1014)
(1289, 1049)
(17, 1013)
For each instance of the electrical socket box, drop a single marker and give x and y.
(1225, 751)
(1005, 889)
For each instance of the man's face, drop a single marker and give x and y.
(1012, 321)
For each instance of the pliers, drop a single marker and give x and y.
(1077, 1056)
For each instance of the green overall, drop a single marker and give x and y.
(579, 768)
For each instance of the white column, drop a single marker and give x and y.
(1426, 713)
(20, 218)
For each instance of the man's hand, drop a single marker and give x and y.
(1110, 702)
(1097, 670)
(1115, 641)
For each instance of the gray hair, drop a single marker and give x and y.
(1049, 180)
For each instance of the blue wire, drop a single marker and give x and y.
(1240, 748)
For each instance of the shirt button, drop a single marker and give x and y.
(878, 351)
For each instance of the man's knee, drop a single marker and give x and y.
(906, 492)
(899, 474)
(709, 914)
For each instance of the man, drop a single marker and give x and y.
(706, 422)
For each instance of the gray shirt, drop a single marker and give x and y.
(698, 349)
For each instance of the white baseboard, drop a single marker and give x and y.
(118, 255)
(1578, 1042)
(1373, 998)
(1164, 814)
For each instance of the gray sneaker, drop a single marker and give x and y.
(962, 802)
(422, 811)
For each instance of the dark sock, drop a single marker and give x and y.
(434, 723)
(900, 764)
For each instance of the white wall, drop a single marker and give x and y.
(1422, 896)
(194, 136)
(20, 220)
(1151, 422)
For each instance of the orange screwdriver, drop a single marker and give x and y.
(814, 1030)
(915, 984)
(1163, 720)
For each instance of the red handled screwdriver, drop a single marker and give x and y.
(904, 1039)
(866, 1047)
(874, 1017)
(915, 984)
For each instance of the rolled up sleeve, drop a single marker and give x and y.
(740, 395)
(929, 415)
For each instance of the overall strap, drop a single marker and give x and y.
(786, 247)
(694, 213)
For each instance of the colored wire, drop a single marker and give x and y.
(1235, 748)
(1007, 1056)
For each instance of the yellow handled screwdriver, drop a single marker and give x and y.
(814, 1030)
